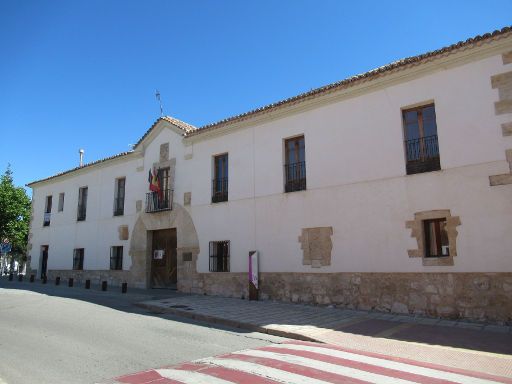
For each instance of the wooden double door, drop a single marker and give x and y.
(164, 261)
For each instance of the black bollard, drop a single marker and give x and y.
(45, 279)
(87, 284)
(32, 278)
(124, 287)
(57, 280)
(103, 285)
(70, 282)
(20, 278)
(10, 276)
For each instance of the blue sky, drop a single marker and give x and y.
(82, 74)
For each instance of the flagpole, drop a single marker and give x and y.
(157, 94)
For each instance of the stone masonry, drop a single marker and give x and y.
(477, 296)
(503, 83)
(113, 278)
(316, 245)
(417, 231)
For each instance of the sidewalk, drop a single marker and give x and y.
(460, 344)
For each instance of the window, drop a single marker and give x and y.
(295, 165)
(165, 188)
(116, 258)
(220, 178)
(436, 235)
(78, 259)
(160, 199)
(436, 238)
(44, 260)
(219, 256)
(119, 196)
(61, 202)
(47, 211)
(421, 146)
(82, 204)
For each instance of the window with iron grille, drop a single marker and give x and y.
(82, 204)
(421, 144)
(295, 164)
(116, 257)
(61, 202)
(220, 178)
(78, 259)
(119, 196)
(47, 211)
(164, 177)
(160, 199)
(436, 238)
(219, 256)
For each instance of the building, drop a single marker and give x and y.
(390, 190)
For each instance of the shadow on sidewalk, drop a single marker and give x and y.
(438, 335)
(454, 335)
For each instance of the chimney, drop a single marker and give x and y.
(81, 152)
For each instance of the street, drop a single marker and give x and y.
(61, 334)
(93, 336)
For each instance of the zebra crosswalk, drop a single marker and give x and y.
(307, 363)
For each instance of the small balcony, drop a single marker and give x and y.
(119, 206)
(46, 219)
(422, 155)
(295, 177)
(159, 201)
(219, 190)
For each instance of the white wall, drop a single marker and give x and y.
(356, 183)
(100, 229)
(356, 180)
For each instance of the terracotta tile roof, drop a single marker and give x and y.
(82, 167)
(348, 82)
(178, 123)
(185, 127)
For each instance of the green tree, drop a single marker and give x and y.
(14, 215)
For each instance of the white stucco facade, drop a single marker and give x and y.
(356, 179)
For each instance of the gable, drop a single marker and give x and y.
(166, 122)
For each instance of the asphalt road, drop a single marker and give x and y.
(51, 334)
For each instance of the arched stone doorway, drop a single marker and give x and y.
(187, 246)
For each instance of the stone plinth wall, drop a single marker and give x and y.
(477, 296)
(113, 278)
(226, 284)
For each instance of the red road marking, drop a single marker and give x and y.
(145, 377)
(224, 373)
(235, 376)
(296, 369)
(479, 375)
(361, 366)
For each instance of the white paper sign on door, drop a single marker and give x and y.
(158, 254)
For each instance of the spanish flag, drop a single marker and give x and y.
(154, 182)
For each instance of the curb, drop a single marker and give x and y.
(227, 322)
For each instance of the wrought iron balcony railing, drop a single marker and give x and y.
(295, 177)
(219, 190)
(422, 155)
(159, 201)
